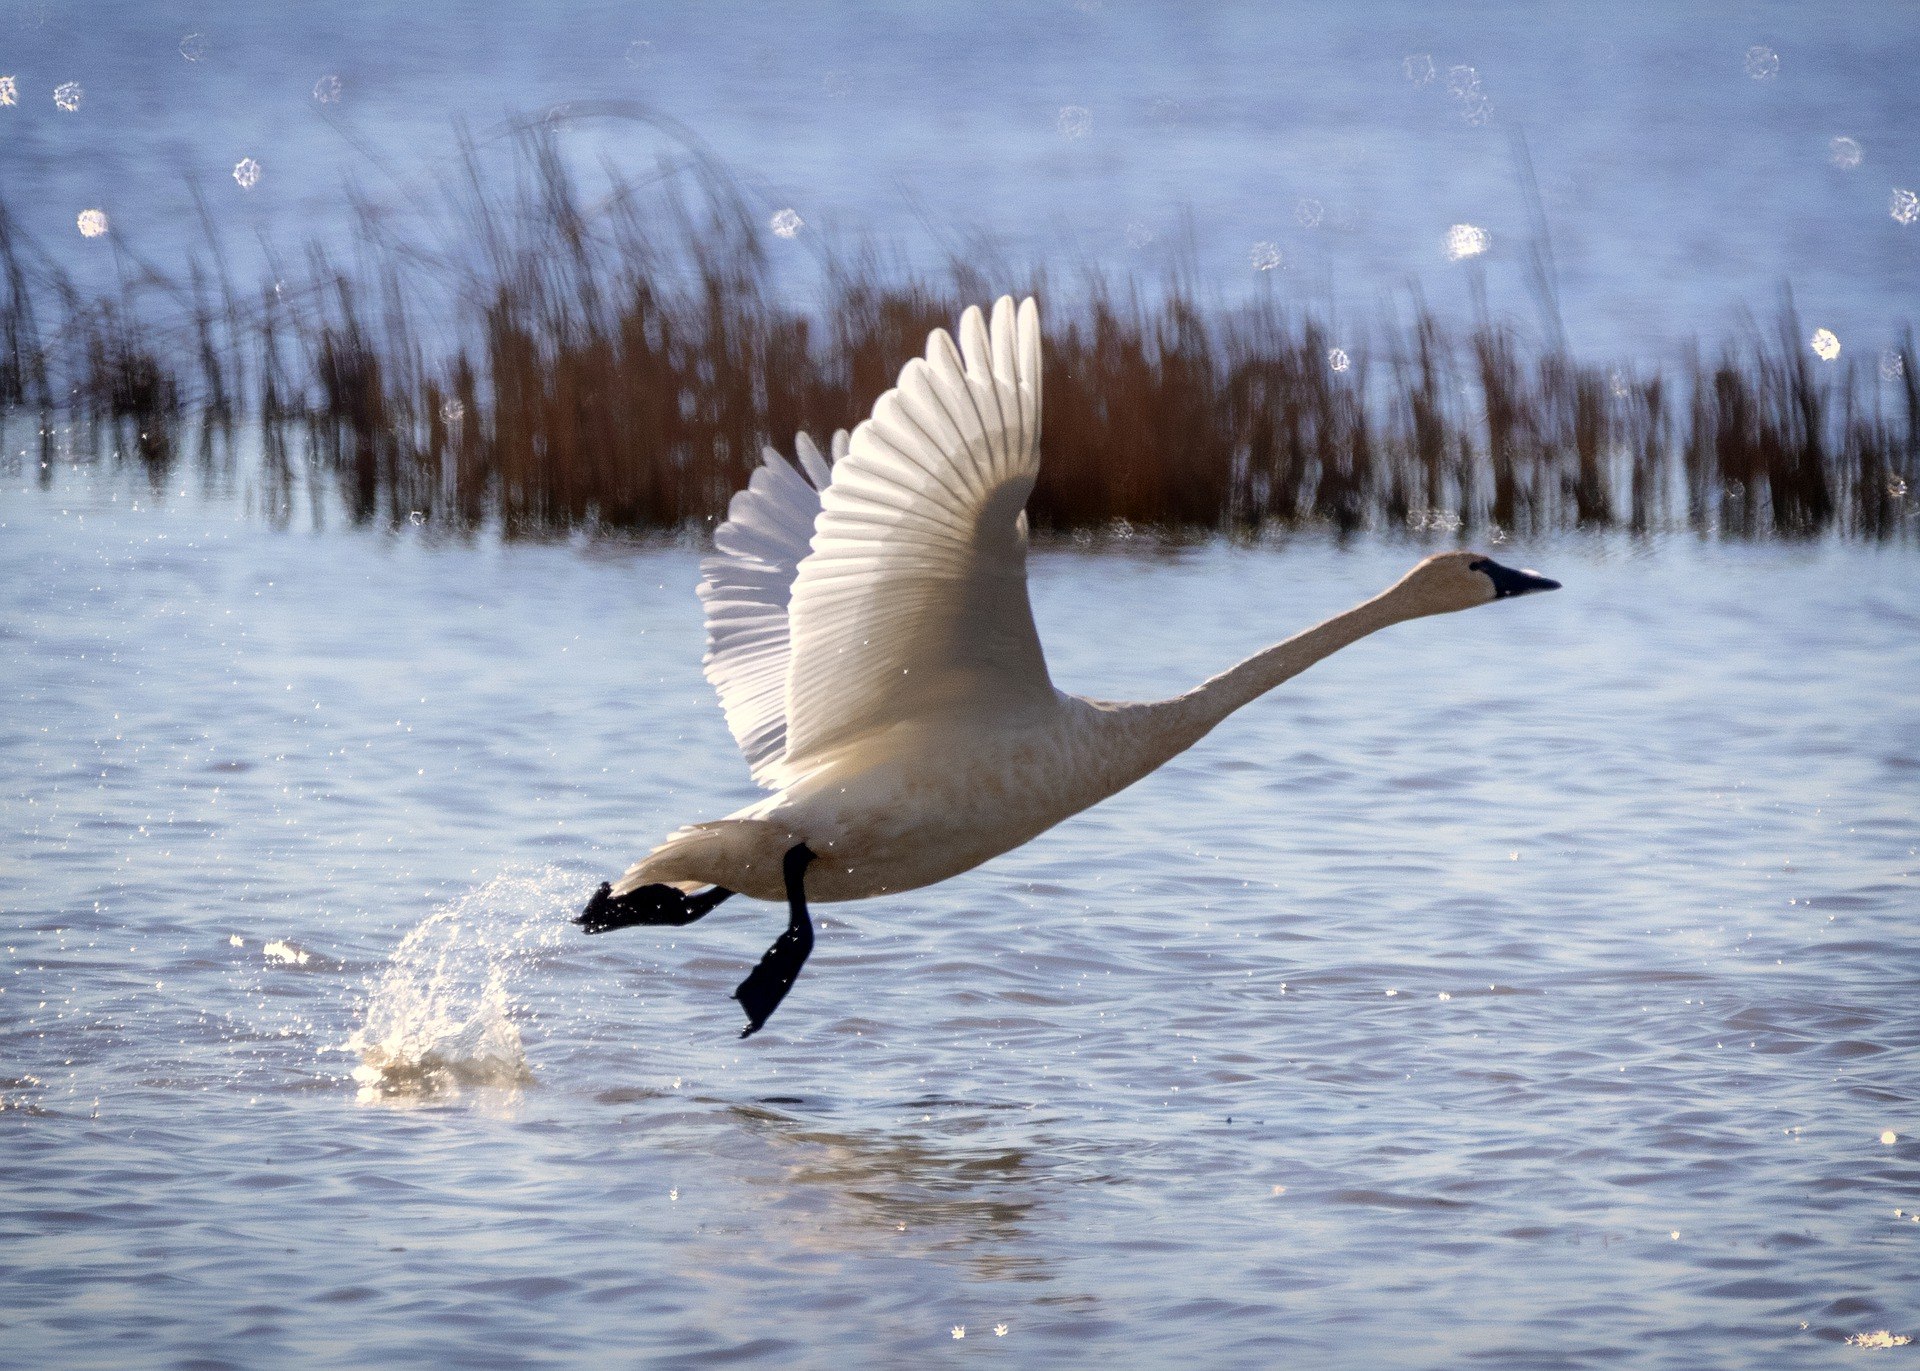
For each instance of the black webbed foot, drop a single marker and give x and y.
(768, 983)
(652, 905)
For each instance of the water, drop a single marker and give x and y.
(1683, 178)
(1531, 987)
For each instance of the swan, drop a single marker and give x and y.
(872, 644)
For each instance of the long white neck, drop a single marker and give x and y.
(1143, 736)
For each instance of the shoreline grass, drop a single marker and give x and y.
(617, 365)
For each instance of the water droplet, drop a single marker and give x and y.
(247, 173)
(1844, 153)
(193, 47)
(1904, 207)
(1075, 121)
(1419, 69)
(327, 90)
(638, 52)
(68, 96)
(786, 224)
(1466, 240)
(1338, 360)
(1825, 346)
(92, 223)
(1309, 212)
(1762, 62)
(9, 91)
(1265, 256)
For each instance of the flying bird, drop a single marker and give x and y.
(871, 640)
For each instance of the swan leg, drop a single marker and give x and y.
(649, 905)
(768, 983)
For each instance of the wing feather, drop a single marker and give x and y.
(913, 596)
(745, 587)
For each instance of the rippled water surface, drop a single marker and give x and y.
(1689, 158)
(1531, 987)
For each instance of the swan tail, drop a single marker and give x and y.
(741, 855)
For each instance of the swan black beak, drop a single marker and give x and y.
(1508, 583)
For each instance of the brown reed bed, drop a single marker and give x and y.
(617, 363)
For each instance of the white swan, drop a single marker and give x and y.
(869, 634)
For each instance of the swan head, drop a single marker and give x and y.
(1460, 580)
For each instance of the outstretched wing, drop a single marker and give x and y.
(913, 600)
(745, 586)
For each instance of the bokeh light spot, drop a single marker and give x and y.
(786, 223)
(1845, 153)
(1762, 62)
(1904, 207)
(247, 173)
(1265, 256)
(327, 90)
(1337, 359)
(68, 96)
(1466, 240)
(92, 223)
(1075, 121)
(1419, 69)
(1824, 344)
(193, 47)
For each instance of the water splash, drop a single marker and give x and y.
(442, 1016)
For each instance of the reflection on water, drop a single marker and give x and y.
(867, 1186)
(1418, 1009)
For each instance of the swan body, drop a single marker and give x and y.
(871, 640)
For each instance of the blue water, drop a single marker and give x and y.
(1531, 987)
(1683, 177)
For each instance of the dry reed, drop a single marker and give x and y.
(619, 366)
